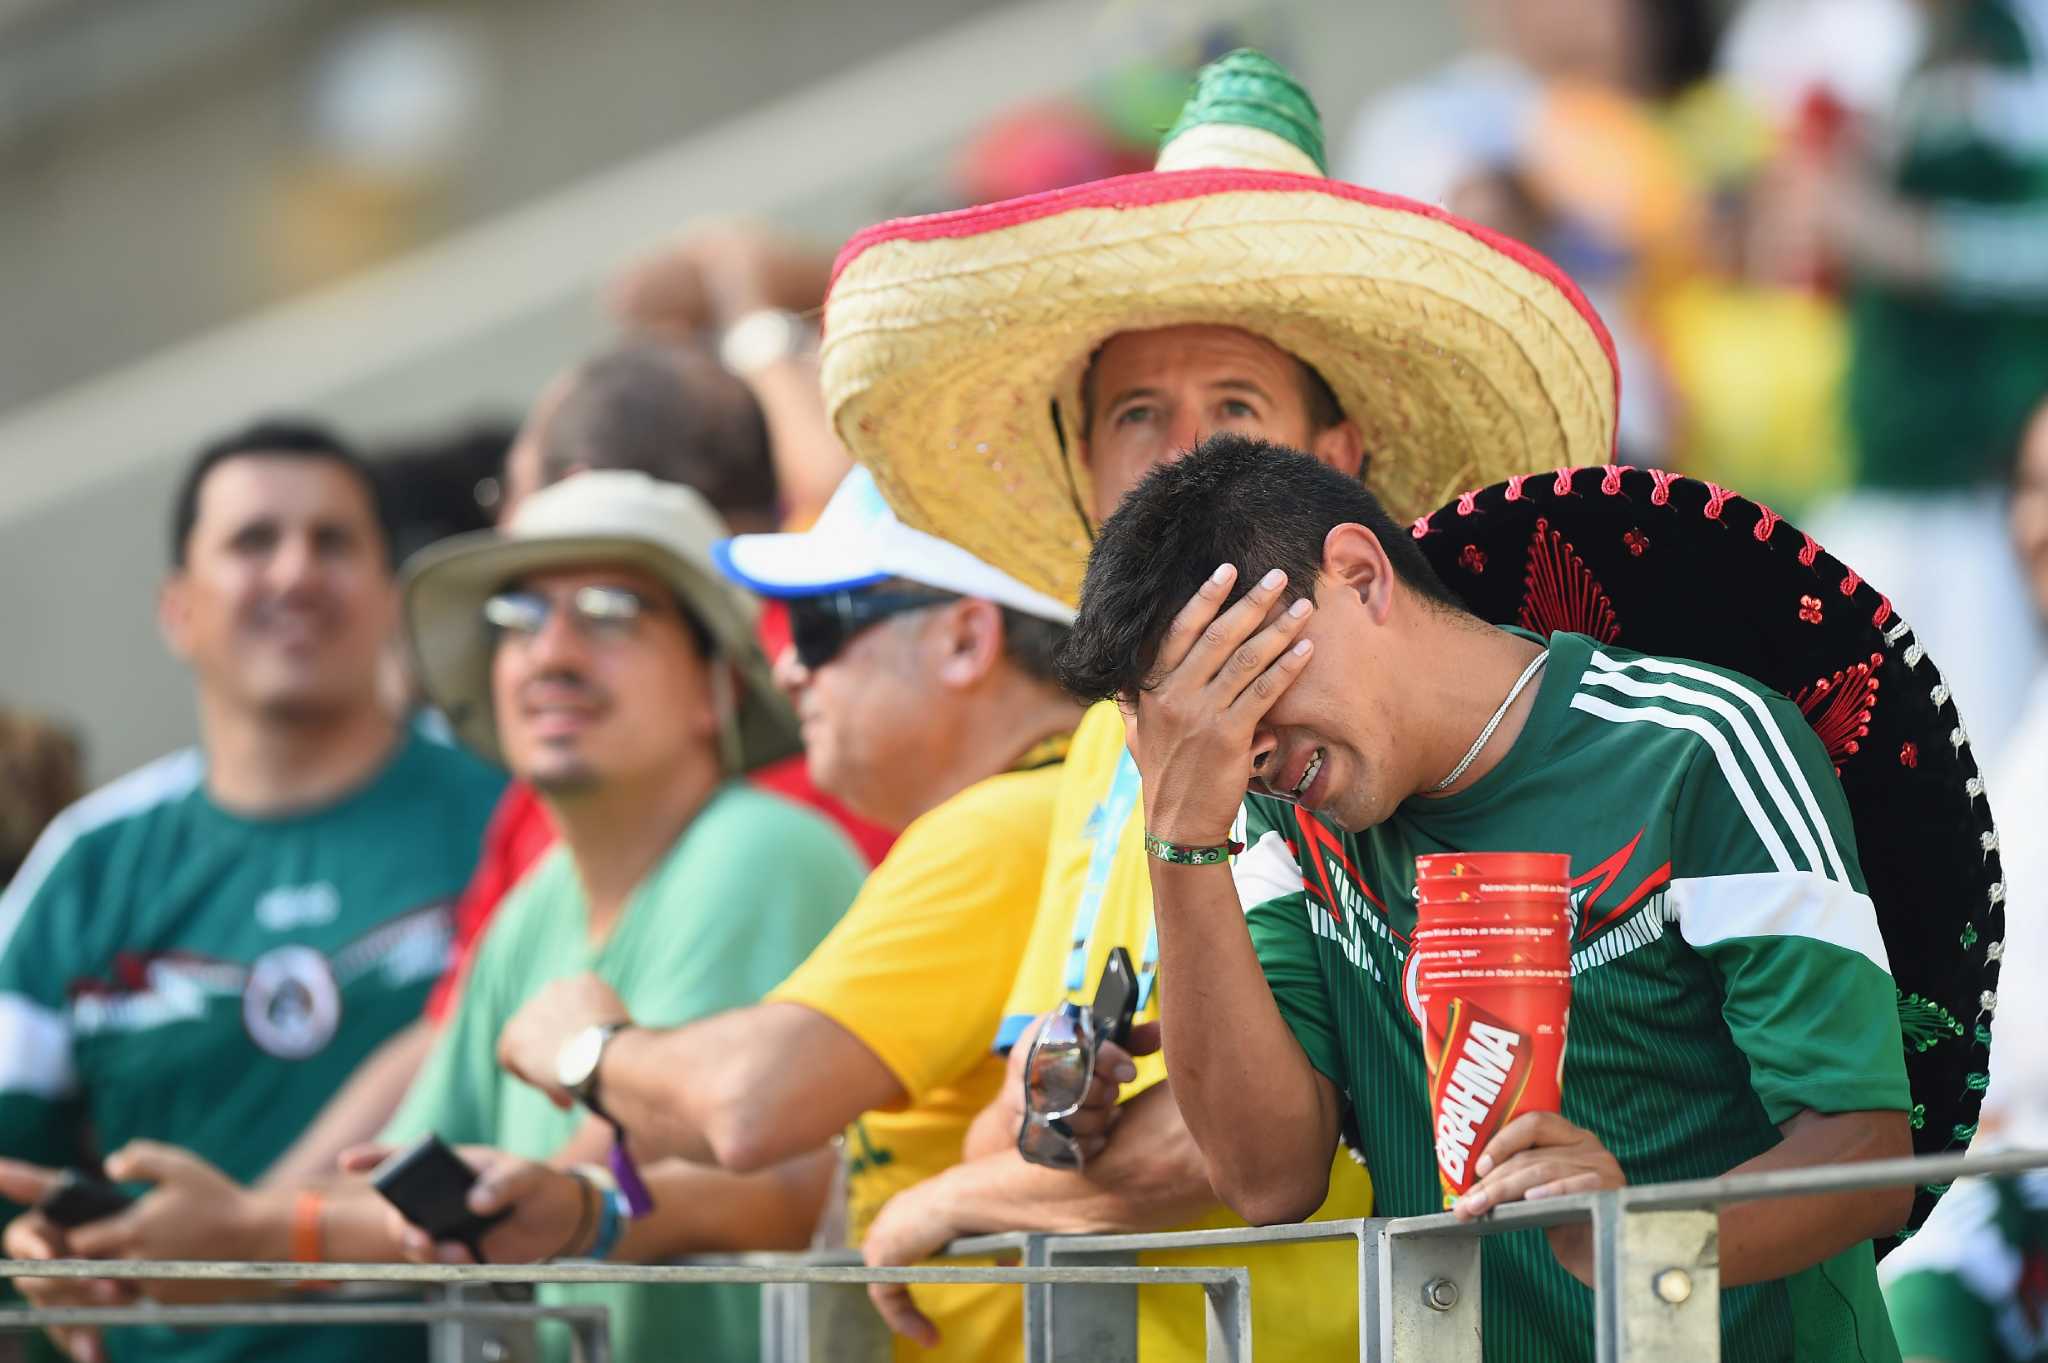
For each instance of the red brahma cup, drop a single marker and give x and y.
(1494, 982)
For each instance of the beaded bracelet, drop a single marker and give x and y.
(1181, 854)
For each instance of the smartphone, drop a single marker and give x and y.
(429, 1184)
(78, 1197)
(1116, 998)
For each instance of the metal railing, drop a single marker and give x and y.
(1656, 1285)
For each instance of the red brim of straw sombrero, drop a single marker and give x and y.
(1681, 568)
(954, 344)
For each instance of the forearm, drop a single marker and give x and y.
(1230, 1052)
(743, 1090)
(357, 1113)
(1150, 1176)
(1761, 1241)
(809, 460)
(699, 1210)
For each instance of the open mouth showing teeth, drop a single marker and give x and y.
(1308, 775)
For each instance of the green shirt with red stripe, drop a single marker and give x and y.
(1727, 971)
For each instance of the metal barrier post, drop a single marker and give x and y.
(457, 1339)
(1229, 1319)
(1429, 1296)
(1659, 1284)
(1095, 1322)
(1370, 1303)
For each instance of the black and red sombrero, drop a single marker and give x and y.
(1671, 565)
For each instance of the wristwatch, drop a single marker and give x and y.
(761, 338)
(576, 1064)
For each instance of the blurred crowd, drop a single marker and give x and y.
(642, 733)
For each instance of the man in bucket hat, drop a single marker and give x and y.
(923, 680)
(594, 648)
(1009, 372)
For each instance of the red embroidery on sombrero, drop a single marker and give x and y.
(1851, 580)
(1909, 754)
(1610, 480)
(1717, 497)
(1808, 551)
(1839, 707)
(1766, 521)
(1472, 559)
(1636, 541)
(1560, 593)
(1515, 481)
(1809, 609)
(1468, 502)
(1660, 494)
(1420, 528)
(1561, 486)
(1882, 613)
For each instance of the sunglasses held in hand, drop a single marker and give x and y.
(1060, 1066)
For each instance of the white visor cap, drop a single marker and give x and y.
(858, 542)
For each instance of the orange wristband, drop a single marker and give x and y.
(307, 1211)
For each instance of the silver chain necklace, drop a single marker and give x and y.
(1479, 743)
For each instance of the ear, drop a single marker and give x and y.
(1341, 446)
(969, 635)
(1355, 562)
(174, 615)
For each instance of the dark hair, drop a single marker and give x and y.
(1324, 411)
(1032, 644)
(277, 438)
(1232, 500)
(433, 482)
(672, 412)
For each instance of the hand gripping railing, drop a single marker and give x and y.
(1655, 1264)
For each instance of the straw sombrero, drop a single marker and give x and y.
(1684, 568)
(607, 516)
(955, 344)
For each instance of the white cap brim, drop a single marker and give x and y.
(858, 542)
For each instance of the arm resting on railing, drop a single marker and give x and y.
(1765, 1240)
(1266, 1119)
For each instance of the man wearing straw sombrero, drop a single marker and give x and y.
(1009, 372)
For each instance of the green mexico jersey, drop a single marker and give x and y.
(1972, 1286)
(174, 971)
(1726, 968)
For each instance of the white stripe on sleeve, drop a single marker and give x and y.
(1265, 870)
(35, 1050)
(1714, 909)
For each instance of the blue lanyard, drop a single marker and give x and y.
(1105, 829)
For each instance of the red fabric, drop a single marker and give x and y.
(1152, 187)
(521, 829)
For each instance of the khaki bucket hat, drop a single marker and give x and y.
(605, 517)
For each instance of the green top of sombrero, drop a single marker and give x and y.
(1249, 89)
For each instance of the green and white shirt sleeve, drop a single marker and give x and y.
(1765, 885)
(40, 916)
(1278, 913)
(1956, 1292)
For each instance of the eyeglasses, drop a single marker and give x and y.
(602, 613)
(820, 627)
(1057, 1073)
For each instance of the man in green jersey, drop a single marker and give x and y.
(1733, 1007)
(593, 646)
(201, 952)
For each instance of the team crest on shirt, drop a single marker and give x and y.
(292, 1004)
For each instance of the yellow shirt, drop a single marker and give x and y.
(917, 970)
(1098, 895)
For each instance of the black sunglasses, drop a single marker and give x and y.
(820, 627)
